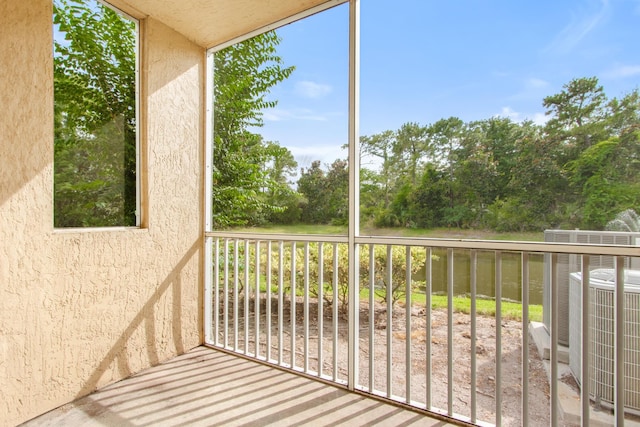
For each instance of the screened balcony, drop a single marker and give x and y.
(435, 360)
(332, 355)
(278, 328)
(206, 387)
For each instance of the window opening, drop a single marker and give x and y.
(280, 129)
(95, 107)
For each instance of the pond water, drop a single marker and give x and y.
(486, 274)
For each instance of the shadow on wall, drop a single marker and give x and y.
(146, 318)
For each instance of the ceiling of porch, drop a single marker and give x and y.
(212, 22)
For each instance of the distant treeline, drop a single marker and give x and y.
(578, 170)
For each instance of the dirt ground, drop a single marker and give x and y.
(485, 350)
(416, 357)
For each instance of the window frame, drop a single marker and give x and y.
(138, 35)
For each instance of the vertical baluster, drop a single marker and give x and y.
(474, 326)
(246, 297)
(498, 338)
(335, 312)
(372, 316)
(553, 360)
(353, 315)
(305, 307)
(618, 343)
(450, 332)
(585, 341)
(320, 308)
(225, 287)
(428, 289)
(293, 304)
(280, 300)
(525, 338)
(268, 303)
(216, 291)
(236, 296)
(389, 298)
(256, 305)
(407, 294)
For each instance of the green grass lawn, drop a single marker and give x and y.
(450, 233)
(486, 307)
(510, 310)
(462, 304)
(297, 229)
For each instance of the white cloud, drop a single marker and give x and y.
(279, 114)
(532, 88)
(581, 24)
(317, 151)
(326, 153)
(537, 118)
(540, 118)
(509, 113)
(536, 83)
(313, 90)
(622, 71)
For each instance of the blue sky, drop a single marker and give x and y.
(423, 60)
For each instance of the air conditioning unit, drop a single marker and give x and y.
(570, 262)
(601, 329)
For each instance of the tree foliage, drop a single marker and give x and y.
(94, 94)
(577, 171)
(325, 193)
(248, 172)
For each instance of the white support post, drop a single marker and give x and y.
(473, 275)
(354, 188)
(618, 344)
(208, 161)
(525, 338)
(498, 338)
(553, 360)
(450, 272)
(585, 341)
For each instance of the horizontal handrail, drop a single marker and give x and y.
(277, 237)
(471, 244)
(282, 299)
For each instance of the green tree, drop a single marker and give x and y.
(371, 193)
(379, 146)
(625, 113)
(577, 115)
(338, 183)
(94, 103)
(485, 170)
(280, 169)
(476, 171)
(575, 171)
(244, 75)
(326, 193)
(429, 202)
(607, 185)
(537, 187)
(312, 184)
(446, 136)
(410, 146)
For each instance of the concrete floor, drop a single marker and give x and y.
(206, 387)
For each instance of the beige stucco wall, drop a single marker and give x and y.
(80, 309)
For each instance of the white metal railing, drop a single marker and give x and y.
(284, 299)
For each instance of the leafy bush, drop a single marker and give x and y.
(383, 259)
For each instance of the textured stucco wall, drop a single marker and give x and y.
(80, 309)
